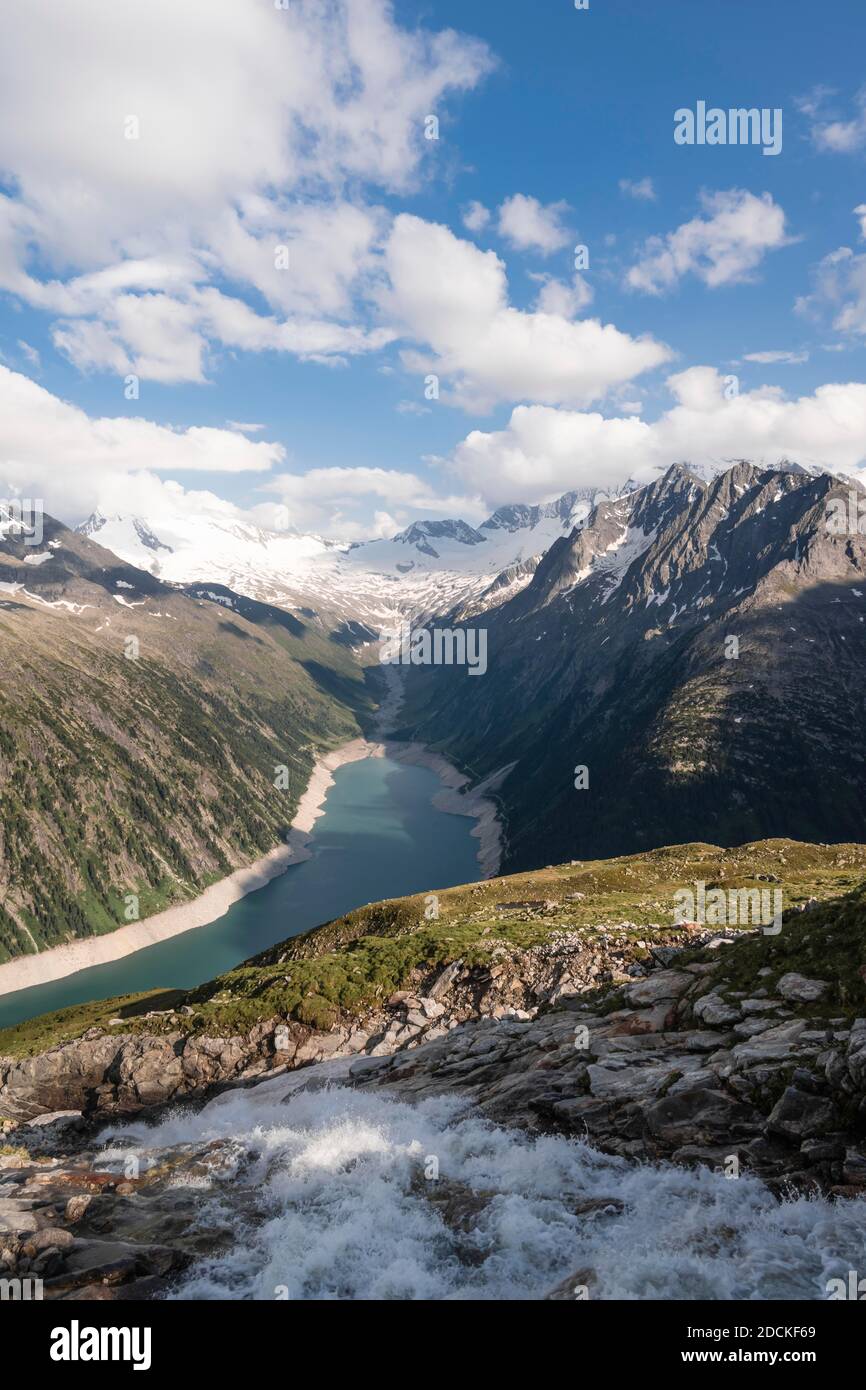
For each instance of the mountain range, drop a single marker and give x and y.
(683, 661)
(430, 567)
(686, 665)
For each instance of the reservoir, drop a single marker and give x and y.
(380, 836)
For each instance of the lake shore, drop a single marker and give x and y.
(453, 799)
(58, 962)
(456, 801)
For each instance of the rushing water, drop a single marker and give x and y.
(348, 1206)
(380, 837)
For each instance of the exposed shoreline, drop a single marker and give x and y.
(59, 961)
(25, 972)
(456, 802)
(453, 798)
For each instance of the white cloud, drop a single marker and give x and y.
(722, 248)
(860, 211)
(243, 427)
(840, 291)
(452, 297)
(543, 452)
(333, 95)
(836, 136)
(777, 358)
(640, 189)
(530, 226)
(30, 352)
(566, 300)
(476, 217)
(153, 335)
(812, 104)
(320, 499)
(52, 449)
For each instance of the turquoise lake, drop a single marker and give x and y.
(380, 837)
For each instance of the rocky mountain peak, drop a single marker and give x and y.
(420, 533)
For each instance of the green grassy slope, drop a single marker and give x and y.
(347, 966)
(146, 778)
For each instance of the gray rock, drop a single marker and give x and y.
(854, 1167)
(751, 1027)
(444, 981)
(658, 987)
(700, 1117)
(799, 1115)
(52, 1238)
(800, 989)
(704, 1041)
(431, 1008)
(711, 1009)
(776, 1044)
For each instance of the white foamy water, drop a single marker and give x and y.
(346, 1211)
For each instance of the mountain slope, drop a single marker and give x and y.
(616, 656)
(140, 729)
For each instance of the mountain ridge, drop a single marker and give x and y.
(615, 656)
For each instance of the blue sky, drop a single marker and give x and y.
(710, 256)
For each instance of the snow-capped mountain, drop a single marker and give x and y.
(431, 566)
(696, 647)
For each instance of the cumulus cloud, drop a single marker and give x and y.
(543, 452)
(134, 185)
(641, 189)
(335, 500)
(475, 217)
(723, 247)
(528, 225)
(75, 463)
(566, 300)
(54, 450)
(452, 297)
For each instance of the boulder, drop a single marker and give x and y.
(656, 988)
(801, 990)
(713, 1010)
(700, 1117)
(800, 1115)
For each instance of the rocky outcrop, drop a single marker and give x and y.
(651, 1082)
(643, 1060)
(123, 1072)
